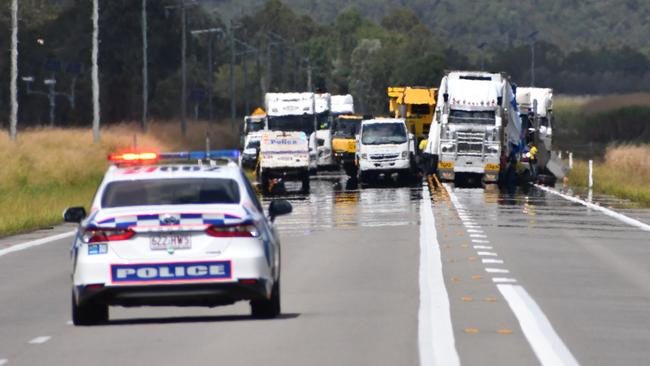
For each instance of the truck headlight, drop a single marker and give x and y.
(493, 149)
(448, 147)
(405, 154)
(364, 156)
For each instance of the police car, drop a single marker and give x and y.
(178, 234)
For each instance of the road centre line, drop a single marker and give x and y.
(492, 261)
(34, 243)
(547, 345)
(480, 241)
(477, 236)
(503, 280)
(496, 270)
(487, 254)
(482, 247)
(606, 211)
(40, 340)
(435, 333)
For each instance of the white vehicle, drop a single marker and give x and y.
(342, 104)
(384, 146)
(476, 122)
(252, 124)
(322, 107)
(250, 153)
(283, 155)
(179, 235)
(290, 112)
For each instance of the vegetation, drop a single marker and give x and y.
(624, 173)
(48, 170)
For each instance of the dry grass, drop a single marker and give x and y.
(624, 173)
(47, 170)
(602, 103)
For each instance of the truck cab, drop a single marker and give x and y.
(384, 146)
(322, 109)
(344, 131)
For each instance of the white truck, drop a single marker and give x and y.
(476, 125)
(322, 108)
(283, 155)
(384, 146)
(342, 104)
(293, 112)
(536, 112)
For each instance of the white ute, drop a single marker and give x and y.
(384, 146)
(183, 234)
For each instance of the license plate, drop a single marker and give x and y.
(167, 241)
(445, 165)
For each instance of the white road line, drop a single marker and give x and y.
(480, 241)
(475, 231)
(477, 236)
(503, 280)
(606, 211)
(3, 361)
(547, 345)
(487, 254)
(482, 247)
(435, 334)
(496, 270)
(40, 340)
(34, 243)
(492, 261)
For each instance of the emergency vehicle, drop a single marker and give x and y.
(187, 233)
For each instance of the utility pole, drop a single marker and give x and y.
(145, 71)
(95, 71)
(14, 71)
(232, 75)
(482, 48)
(210, 32)
(532, 38)
(183, 70)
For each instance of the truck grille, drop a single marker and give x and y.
(470, 143)
(384, 156)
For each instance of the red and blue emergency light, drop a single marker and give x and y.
(148, 157)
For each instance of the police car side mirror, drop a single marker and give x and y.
(278, 208)
(74, 214)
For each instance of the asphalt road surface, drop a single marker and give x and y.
(489, 278)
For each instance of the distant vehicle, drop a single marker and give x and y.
(342, 104)
(283, 155)
(384, 146)
(252, 123)
(477, 126)
(322, 106)
(536, 112)
(250, 154)
(344, 131)
(416, 104)
(181, 235)
(291, 112)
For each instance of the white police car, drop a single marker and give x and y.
(175, 234)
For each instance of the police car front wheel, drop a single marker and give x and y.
(89, 313)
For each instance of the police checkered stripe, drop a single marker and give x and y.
(156, 220)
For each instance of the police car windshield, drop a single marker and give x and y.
(179, 191)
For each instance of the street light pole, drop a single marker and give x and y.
(14, 70)
(95, 71)
(183, 70)
(145, 71)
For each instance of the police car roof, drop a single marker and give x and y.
(172, 171)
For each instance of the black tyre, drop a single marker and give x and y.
(267, 308)
(305, 184)
(89, 314)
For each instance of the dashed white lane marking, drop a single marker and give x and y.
(3, 361)
(480, 241)
(34, 243)
(475, 231)
(492, 261)
(40, 340)
(482, 247)
(547, 345)
(606, 211)
(496, 270)
(477, 236)
(503, 280)
(69, 322)
(435, 333)
(487, 254)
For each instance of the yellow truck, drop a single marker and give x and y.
(416, 104)
(344, 131)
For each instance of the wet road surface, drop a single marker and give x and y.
(351, 287)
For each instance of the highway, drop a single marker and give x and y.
(386, 275)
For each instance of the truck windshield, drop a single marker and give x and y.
(323, 120)
(180, 191)
(346, 127)
(383, 133)
(471, 117)
(303, 123)
(253, 144)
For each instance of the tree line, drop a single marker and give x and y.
(273, 48)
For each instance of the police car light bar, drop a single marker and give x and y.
(200, 155)
(134, 158)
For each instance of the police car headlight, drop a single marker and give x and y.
(98, 235)
(245, 230)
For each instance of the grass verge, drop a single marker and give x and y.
(624, 173)
(47, 170)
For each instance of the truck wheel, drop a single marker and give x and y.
(305, 183)
(267, 308)
(89, 314)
